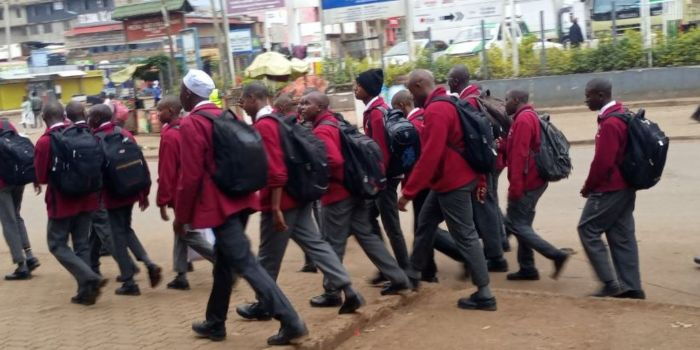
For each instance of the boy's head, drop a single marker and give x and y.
(403, 101)
(53, 113)
(169, 109)
(98, 115)
(75, 111)
(368, 84)
(516, 99)
(598, 93)
(284, 105)
(254, 97)
(421, 84)
(313, 105)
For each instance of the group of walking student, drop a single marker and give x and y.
(317, 180)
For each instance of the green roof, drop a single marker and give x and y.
(148, 8)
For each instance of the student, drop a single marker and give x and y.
(368, 86)
(487, 213)
(119, 211)
(68, 216)
(27, 113)
(451, 180)
(199, 203)
(343, 214)
(610, 202)
(169, 109)
(284, 217)
(284, 105)
(403, 100)
(526, 188)
(13, 227)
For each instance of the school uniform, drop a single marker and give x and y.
(343, 214)
(120, 210)
(610, 206)
(297, 215)
(487, 215)
(386, 203)
(68, 216)
(443, 170)
(13, 227)
(200, 204)
(168, 173)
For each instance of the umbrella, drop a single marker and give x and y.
(124, 74)
(297, 88)
(275, 64)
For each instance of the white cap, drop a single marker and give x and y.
(199, 83)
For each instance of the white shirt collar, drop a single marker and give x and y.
(263, 111)
(56, 125)
(607, 106)
(371, 102)
(104, 124)
(80, 122)
(414, 111)
(202, 103)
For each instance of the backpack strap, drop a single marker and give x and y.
(207, 115)
(326, 122)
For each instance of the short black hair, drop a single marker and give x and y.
(600, 85)
(53, 111)
(100, 113)
(75, 111)
(520, 95)
(256, 90)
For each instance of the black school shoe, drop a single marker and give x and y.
(288, 333)
(633, 294)
(89, 293)
(32, 264)
(210, 330)
(611, 289)
(524, 276)
(308, 268)
(179, 283)
(394, 289)
(352, 303)
(21, 273)
(476, 303)
(559, 264)
(155, 275)
(327, 299)
(497, 265)
(378, 279)
(253, 311)
(128, 288)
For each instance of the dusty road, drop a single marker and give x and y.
(37, 313)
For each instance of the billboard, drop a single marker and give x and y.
(152, 27)
(189, 47)
(245, 7)
(447, 14)
(343, 11)
(241, 40)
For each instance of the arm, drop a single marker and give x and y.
(435, 132)
(167, 170)
(518, 156)
(335, 156)
(192, 171)
(276, 166)
(607, 146)
(378, 134)
(42, 159)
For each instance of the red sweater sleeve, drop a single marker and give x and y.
(378, 134)
(276, 167)
(168, 159)
(607, 146)
(518, 156)
(191, 171)
(42, 159)
(335, 155)
(435, 137)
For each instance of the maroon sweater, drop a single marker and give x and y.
(524, 139)
(610, 144)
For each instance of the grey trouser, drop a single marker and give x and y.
(386, 207)
(194, 240)
(120, 228)
(349, 216)
(316, 210)
(12, 223)
(611, 213)
(136, 248)
(76, 260)
(233, 257)
(520, 216)
(304, 232)
(489, 220)
(455, 208)
(100, 237)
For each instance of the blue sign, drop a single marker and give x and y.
(334, 4)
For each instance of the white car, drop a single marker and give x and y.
(398, 54)
(469, 41)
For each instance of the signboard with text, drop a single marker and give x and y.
(241, 40)
(189, 47)
(446, 14)
(245, 7)
(343, 11)
(153, 27)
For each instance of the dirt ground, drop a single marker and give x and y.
(37, 314)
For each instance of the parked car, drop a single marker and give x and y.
(469, 42)
(398, 54)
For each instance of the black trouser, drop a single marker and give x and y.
(488, 219)
(234, 257)
(386, 207)
(443, 241)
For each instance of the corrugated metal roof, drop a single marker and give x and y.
(150, 8)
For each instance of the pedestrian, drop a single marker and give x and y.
(575, 33)
(199, 203)
(119, 211)
(169, 110)
(488, 217)
(69, 216)
(444, 243)
(610, 202)
(284, 217)
(13, 227)
(157, 92)
(37, 106)
(368, 86)
(526, 188)
(27, 113)
(451, 180)
(343, 214)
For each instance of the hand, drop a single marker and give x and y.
(481, 193)
(403, 202)
(164, 213)
(143, 204)
(278, 220)
(584, 193)
(37, 188)
(178, 228)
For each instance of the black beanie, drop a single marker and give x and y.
(372, 81)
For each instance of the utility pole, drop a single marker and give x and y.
(8, 38)
(219, 44)
(614, 22)
(172, 71)
(409, 31)
(227, 42)
(514, 31)
(646, 30)
(292, 25)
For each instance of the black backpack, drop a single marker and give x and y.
(76, 161)
(239, 154)
(363, 174)
(553, 161)
(306, 160)
(125, 172)
(404, 142)
(645, 154)
(16, 157)
(495, 109)
(479, 142)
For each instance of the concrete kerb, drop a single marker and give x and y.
(342, 329)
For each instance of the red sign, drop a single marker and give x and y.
(394, 23)
(153, 27)
(242, 7)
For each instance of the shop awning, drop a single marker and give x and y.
(71, 73)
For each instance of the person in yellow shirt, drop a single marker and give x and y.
(215, 98)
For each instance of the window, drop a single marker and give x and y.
(48, 28)
(34, 29)
(100, 4)
(58, 6)
(66, 25)
(2, 14)
(87, 4)
(18, 12)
